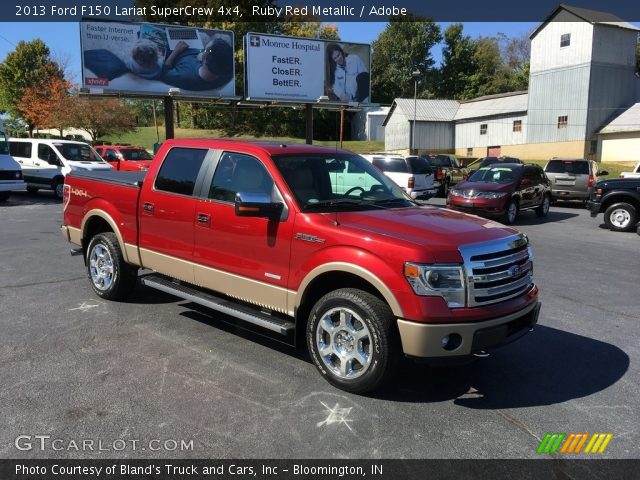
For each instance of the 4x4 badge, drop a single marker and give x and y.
(309, 238)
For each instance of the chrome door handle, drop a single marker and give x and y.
(203, 218)
(148, 207)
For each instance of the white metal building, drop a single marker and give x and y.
(582, 75)
(619, 140)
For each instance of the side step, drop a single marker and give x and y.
(219, 304)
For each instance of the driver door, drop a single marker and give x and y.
(44, 170)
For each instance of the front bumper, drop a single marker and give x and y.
(422, 340)
(12, 186)
(424, 194)
(488, 207)
(593, 207)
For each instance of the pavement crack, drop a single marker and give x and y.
(518, 423)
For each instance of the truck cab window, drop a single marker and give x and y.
(179, 170)
(239, 173)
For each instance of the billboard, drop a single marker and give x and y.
(150, 59)
(280, 68)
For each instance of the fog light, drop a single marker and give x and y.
(451, 342)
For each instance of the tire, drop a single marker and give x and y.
(352, 340)
(444, 189)
(543, 209)
(110, 276)
(32, 189)
(510, 212)
(4, 196)
(621, 217)
(58, 188)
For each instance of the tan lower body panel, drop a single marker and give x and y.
(236, 286)
(424, 339)
(71, 234)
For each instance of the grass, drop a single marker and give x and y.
(146, 137)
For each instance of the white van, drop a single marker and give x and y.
(413, 174)
(46, 162)
(10, 171)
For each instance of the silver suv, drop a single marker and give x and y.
(572, 178)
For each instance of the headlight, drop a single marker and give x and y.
(490, 195)
(444, 281)
(18, 175)
(455, 193)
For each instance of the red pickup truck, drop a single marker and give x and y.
(268, 233)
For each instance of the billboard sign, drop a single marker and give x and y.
(151, 59)
(280, 68)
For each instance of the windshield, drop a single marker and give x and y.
(4, 144)
(78, 152)
(326, 182)
(567, 166)
(495, 174)
(135, 154)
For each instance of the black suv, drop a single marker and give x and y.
(619, 200)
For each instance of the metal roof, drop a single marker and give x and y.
(491, 105)
(426, 110)
(627, 121)
(594, 17)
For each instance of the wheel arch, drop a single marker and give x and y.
(98, 221)
(620, 198)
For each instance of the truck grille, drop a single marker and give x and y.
(498, 270)
(10, 175)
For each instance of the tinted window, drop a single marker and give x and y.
(239, 173)
(568, 166)
(391, 165)
(440, 161)
(180, 170)
(419, 165)
(44, 151)
(20, 149)
(111, 154)
(135, 154)
(4, 144)
(78, 152)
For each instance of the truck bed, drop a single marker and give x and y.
(130, 179)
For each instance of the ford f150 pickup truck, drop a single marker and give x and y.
(265, 233)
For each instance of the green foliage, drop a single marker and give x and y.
(28, 66)
(403, 47)
(458, 64)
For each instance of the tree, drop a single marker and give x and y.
(403, 47)
(515, 56)
(48, 106)
(458, 64)
(28, 66)
(99, 117)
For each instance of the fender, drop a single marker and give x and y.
(129, 252)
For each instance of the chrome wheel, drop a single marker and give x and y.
(512, 212)
(344, 343)
(101, 267)
(59, 189)
(620, 218)
(545, 205)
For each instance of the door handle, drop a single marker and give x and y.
(203, 218)
(148, 207)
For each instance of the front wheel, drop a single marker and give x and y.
(543, 209)
(352, 340)
(58, 188)
(111, 277)
(511, 212)
(621, 217)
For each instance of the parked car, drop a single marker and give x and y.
(45, 163)
(258, 232)
(572, 178)
(619, 200)
(502, 191)
(413, 174)
(447, 172)
(486, 161)
(633, 174)
(125, 157)
(10, 171)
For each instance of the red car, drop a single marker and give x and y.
(125, 157)
(502, 191)
(267, 233)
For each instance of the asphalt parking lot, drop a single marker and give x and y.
(75, 367)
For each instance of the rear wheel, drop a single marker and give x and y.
(352, 340)
(621, 217)
(58, 188)
(111, 277)
(543, 209)
(444, 189)
(511, 212)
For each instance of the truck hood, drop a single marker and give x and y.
(621, 183)
(439, 229)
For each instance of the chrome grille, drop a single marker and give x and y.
(498, 270)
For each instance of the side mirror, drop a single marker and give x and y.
(604, 173)
(52, 159)
(257, 205)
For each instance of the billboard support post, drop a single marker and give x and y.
(341, 125)
(309, 123)
(168, 118)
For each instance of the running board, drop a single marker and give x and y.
(219, 304)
